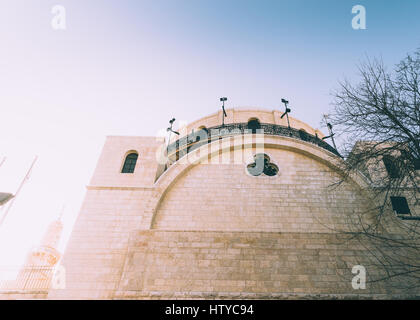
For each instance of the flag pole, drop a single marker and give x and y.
(28, 173)
(2, 161)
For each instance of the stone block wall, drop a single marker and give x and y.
(179, 264)
(225, 197)
(213, 230)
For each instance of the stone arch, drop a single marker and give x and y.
(177, 170)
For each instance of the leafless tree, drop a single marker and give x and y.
(378, 122)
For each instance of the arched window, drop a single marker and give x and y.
(130, 163)
(303, 135)
(253, 125)
(201, 134)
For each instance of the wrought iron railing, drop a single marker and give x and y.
(196, 139)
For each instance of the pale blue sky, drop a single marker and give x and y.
(127, 67)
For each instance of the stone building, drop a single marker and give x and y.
(221, 212)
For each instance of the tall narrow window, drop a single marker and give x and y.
(391, 167)
(130, 163)
(400, 205)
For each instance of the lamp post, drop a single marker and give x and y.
(223, 99)
(329, 126)
(170, 130)
(286, 112)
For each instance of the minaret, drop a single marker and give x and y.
(46, 254)
(38, 269)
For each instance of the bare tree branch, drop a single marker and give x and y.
(379, 121)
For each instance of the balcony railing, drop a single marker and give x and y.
(196, 139)
(26, 279)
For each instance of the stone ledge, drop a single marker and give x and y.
(157, 295)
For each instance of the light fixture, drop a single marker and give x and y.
(329, 126)
(170, 128)
(223, 99)
(286, 112)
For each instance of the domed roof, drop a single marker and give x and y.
(237, 122)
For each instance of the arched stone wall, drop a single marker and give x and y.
(298, 162)
(224, 197)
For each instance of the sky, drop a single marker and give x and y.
(127, 67)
